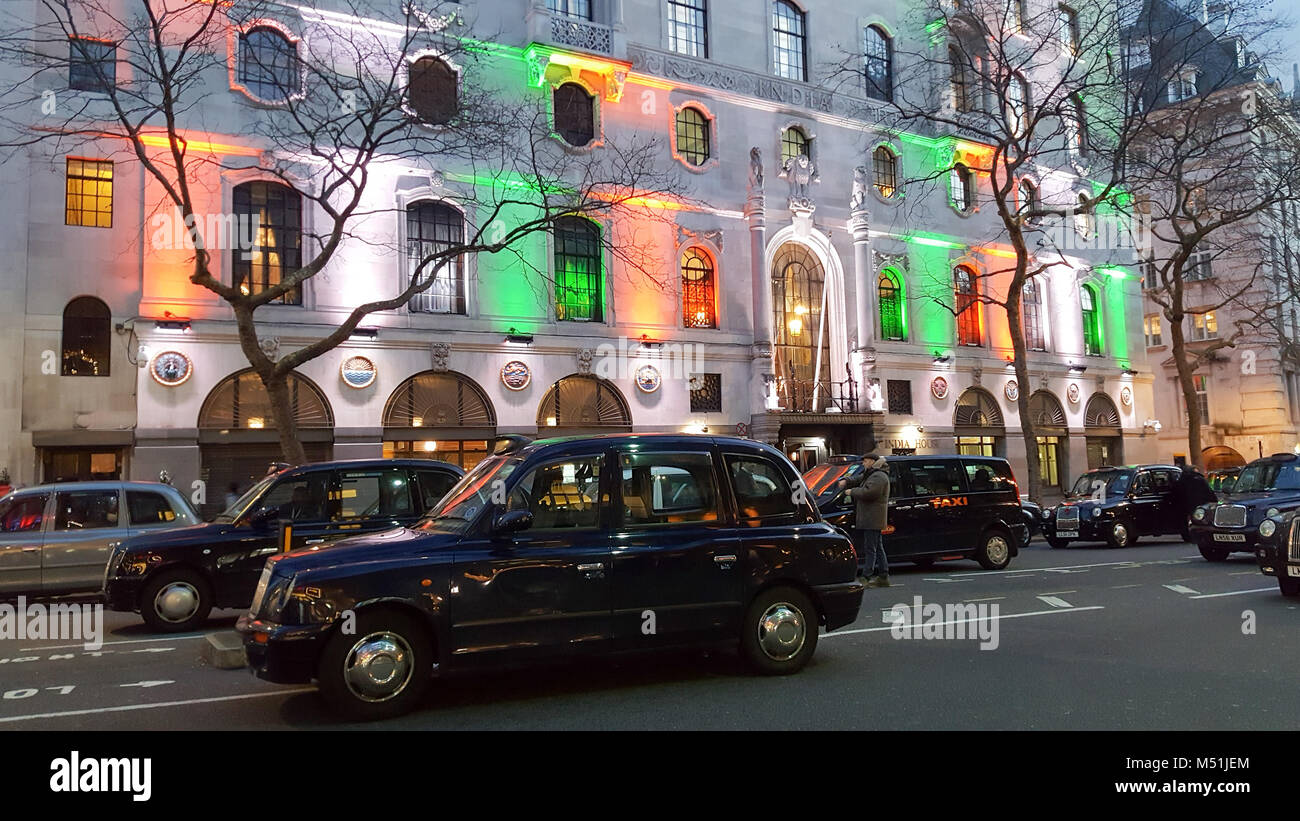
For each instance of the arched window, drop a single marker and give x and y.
(1031, 314)
(794, 142)
(884, 164)
(801, 339)
(583, 402)
(87, 335)
(241, 401)
(1091, 321)
(966, 305)
(433, 227)
(789, 43)
(432, 90)
(693, 136)
(575, 114)
(958, 79)
(890, 297)
(878, 54)
(276, 210)
(699, 299)
(961, 185)
(579, 289)
(268, 64)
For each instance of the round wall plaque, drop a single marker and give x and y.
(648, 379)
(1012, 390)
(358, 372)
(939, 387)
(1072, 393)
(1126, 396)
(516, 375)
(171, 368)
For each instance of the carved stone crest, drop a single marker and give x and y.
(800, 173)
(585, 357)
(439, 352)
(270, 346)
(861, 181)
(976, 373)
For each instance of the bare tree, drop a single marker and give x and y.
(352, 96)
(1015, 89)
(1212, 158)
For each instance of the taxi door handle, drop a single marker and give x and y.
(30, 549)
(596, 570)
(313, 541)
(727, 559)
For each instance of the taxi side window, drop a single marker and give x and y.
(433, 485)
(85, 509)
(149, 508)
(300, 499)
(667, 488)
(763, 494)
(987, 476)
(373, 493)
(936, 478)
(561, 495)
(23, 514)
(1144, 484)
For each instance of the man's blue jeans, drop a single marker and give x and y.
(871, 553)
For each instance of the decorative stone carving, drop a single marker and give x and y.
(976, 374)
(581, 34)
(585, 357)
(714, 238)
(440, 351)
(614, 82)
(880, 260)
(700, 72)
(861, 182)
(800, 173)
(270, 346)
(761, 350)
(755, 171)
(537, 64)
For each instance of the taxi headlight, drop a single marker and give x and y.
(1267, 528)
(1199, 514)
(1271, 512)
(1047, 513)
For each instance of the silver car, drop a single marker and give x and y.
(56, 538)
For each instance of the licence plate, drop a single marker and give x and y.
(1229, 537)
(1067, 534)
(1293, 571)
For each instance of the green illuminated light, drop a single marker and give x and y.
(934, 242)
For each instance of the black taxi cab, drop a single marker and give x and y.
(941, 507)
(559, 548)
(1277, 551)
(1264, 489)
(173, 579)
(1117, 505)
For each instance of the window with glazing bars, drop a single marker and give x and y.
(575, 114)
(961, 183)
(268, 64)
(276, 210)
(967, 308)
(1031, 314)
(577, 9)
(579, 291)
(432, 227)
(698, 293)
(884, 164)
(1091, 322)
(687, 31)
(89, 193)
(879, 63)
(958, 81)
(693, 135)
(793, 143)
(92, 64)
(891, 307)
(789, 47)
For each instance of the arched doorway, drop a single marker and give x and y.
(439, 415)
(1220, 457)
(583, 404)
(1048, 419)
(978, 424)
(1103, 432)
(237, 435)
(800, 338)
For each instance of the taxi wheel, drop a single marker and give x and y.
(779, 634)
(995, 550)
(1057, 544)
(1120, 533)
(1214, 554)
(382, 669)
(175, 601)
(1289, 586)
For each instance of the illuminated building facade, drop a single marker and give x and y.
(815, 299)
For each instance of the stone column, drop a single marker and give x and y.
(762, 390)
(863, 354)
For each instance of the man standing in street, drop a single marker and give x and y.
(870, 494)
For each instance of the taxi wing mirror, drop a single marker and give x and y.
(512, 521)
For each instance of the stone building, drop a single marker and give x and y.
(812, 299)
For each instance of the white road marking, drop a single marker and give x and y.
(978, 573)
(999, 617)
(1236, 593)
(1054, 601)
(1124, 586)
(107, 643)
(1244, 573)
(147, 683)
(990, 598)
(942, 581)
(129, 707)
(1178, 588)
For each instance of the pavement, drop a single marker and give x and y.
(1151, 637)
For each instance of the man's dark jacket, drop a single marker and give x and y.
(870, 494)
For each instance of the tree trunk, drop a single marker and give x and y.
(1178, 344)
(277, 387)
(1021, 364)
